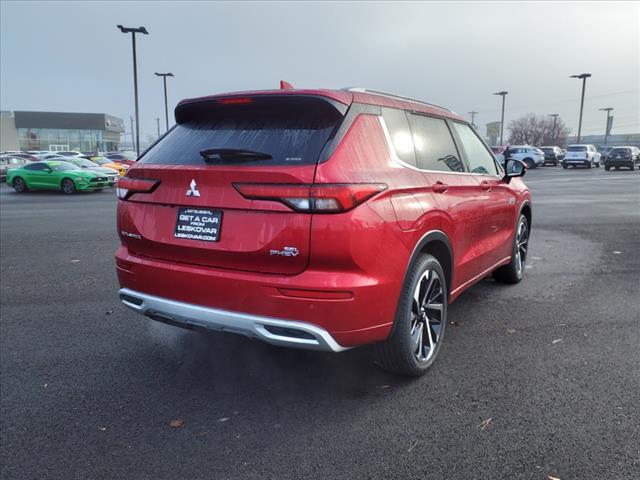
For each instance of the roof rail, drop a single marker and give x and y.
(391, 95)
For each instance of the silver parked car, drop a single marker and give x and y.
(7, 162)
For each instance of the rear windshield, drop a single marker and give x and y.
(621, 150)
(286, 131)
(547, 149)
(576, 149)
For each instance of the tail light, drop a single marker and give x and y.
(127, 186)
(317, 198)
(235, 101)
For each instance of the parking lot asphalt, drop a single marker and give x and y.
(534, 380)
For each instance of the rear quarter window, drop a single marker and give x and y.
(400, 134)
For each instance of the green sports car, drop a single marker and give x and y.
(55, 175)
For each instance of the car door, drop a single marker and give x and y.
(37, 176)
(455, 191)
(495, 230)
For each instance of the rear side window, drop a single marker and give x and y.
(400, 133)
(434, 146)
(35, 166)
(478, 156)
(250, 131)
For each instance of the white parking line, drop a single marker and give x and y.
(579, 179)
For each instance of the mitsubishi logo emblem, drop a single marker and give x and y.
(193, 189)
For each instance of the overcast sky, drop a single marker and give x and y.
(69, 56)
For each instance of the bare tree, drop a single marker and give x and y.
(534, 130)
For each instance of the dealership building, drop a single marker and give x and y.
(59, 131)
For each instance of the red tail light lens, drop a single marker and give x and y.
(234, 101)
(318, 198)
(127, 186)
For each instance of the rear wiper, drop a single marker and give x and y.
(225, 154)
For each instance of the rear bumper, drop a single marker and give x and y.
(619, 162)
(276, 331)
(338, 309)
(577, 161)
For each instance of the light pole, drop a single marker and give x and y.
(473, 117)
(584, 77)
(606, 127)
(555, 122)
(502, 94)
(133, 142)
(133, 32)
(166, 108)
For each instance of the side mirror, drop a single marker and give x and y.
(513, 168)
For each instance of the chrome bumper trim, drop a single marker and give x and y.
(233, 322)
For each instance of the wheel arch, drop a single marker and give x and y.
(436, 243)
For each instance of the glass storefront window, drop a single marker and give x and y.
(82, 140)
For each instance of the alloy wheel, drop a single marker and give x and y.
(427, 315)
(522, 241)
(68, 187)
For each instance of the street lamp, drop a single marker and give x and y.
(133, 32)
(584, 77)
(606, 127)
(555, 122)
(502, 94)
(166, 108)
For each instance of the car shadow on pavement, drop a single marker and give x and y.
(236, 360)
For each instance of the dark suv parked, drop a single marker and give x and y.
(628, 157)
(552, 155)
(319, 219)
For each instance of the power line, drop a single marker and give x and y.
(589, 97)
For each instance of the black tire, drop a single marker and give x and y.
(530, 163)
(401, 351)
(590, 165)
(565, 166)
(19, 185)
(67, 186)
(513, 272)
(607, 168)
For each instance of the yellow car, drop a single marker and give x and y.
(105, 162)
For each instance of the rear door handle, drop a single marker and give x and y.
(440, 187)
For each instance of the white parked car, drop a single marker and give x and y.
(531, 156)
(581, 155)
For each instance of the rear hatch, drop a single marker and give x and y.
(576, 153)
(195, 214)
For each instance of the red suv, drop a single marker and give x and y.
(318, 219)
